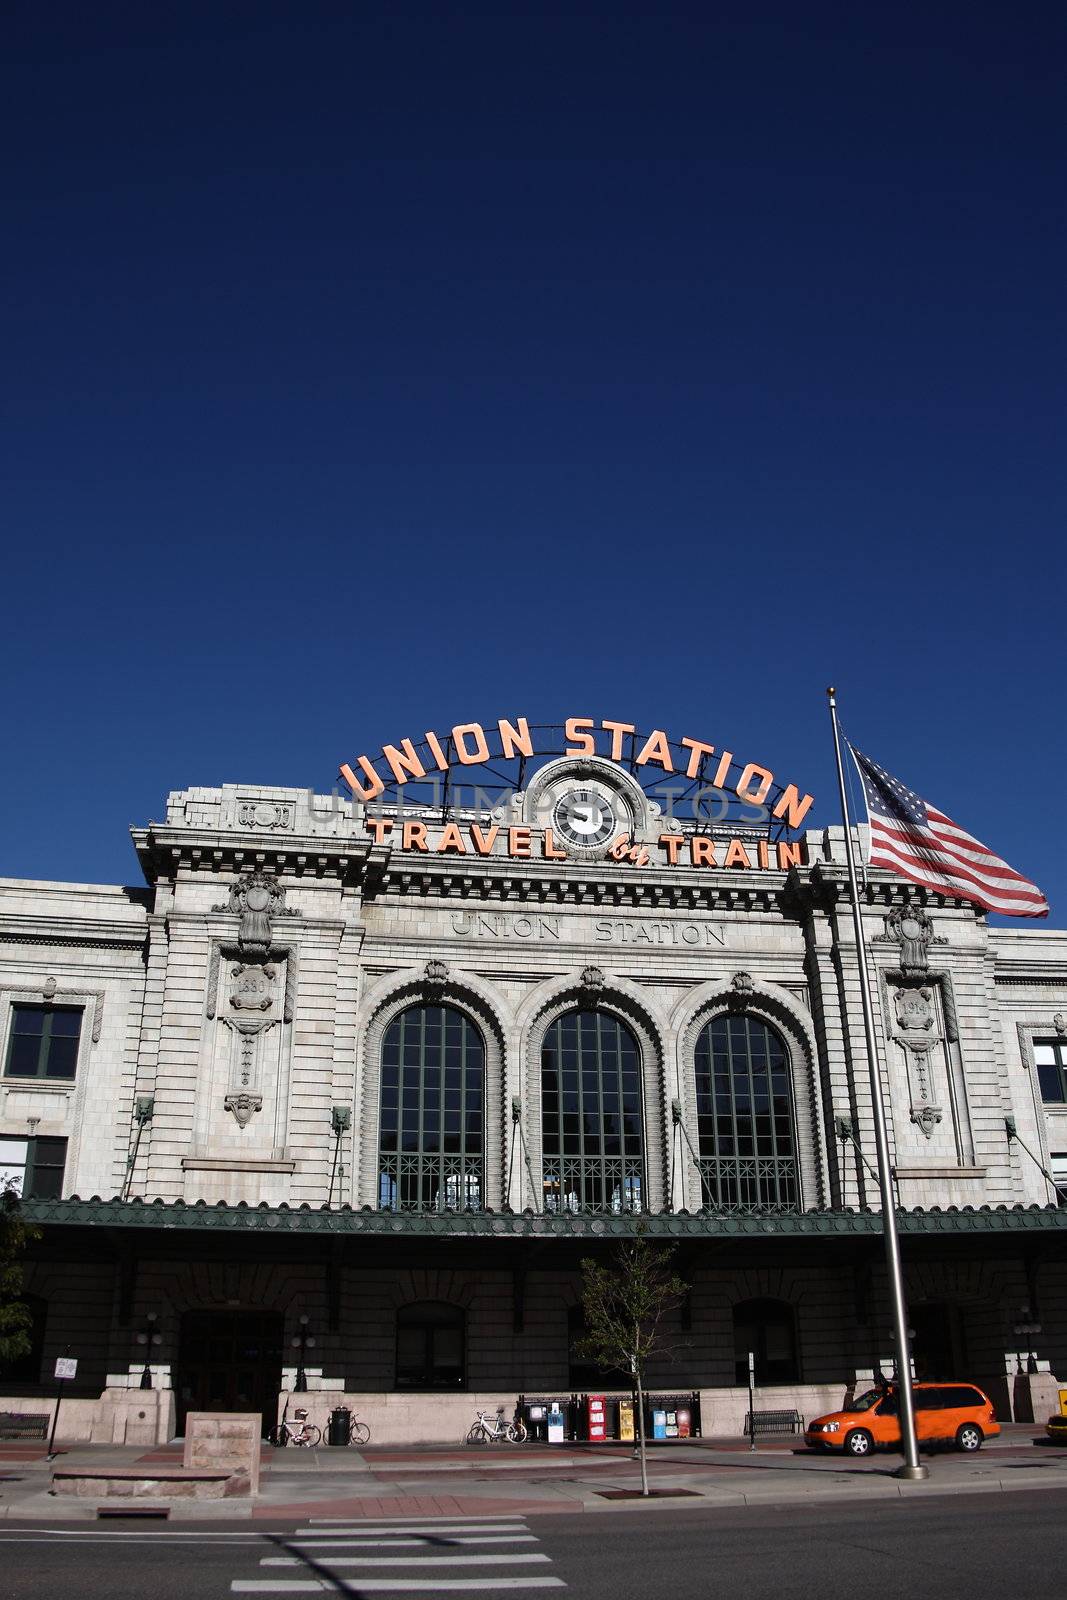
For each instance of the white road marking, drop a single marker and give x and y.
(323, 1541)
(277, 1586)
(343, 1522)
(406, 1585)
(422, 1561)
(417, 1543)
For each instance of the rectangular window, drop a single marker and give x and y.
(33, 1167)
(1050, 1059)
(44, 1042)
(1058, 1160)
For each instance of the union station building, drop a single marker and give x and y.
(347, 1088)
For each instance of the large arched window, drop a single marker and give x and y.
(431, 1139)
(747, 1145)
(592, 1124)
(766, 1329)
(430, 1346)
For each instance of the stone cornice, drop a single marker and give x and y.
(162, 849)
(280, 1220)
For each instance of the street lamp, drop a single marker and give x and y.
(303, 1342)
(148, 1336)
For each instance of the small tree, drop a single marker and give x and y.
(625, 1302)
(15, 1319)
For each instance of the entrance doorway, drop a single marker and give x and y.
(939, 1350)
(229, 1361)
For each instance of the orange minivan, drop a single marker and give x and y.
(945, 1413)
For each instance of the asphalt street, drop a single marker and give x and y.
(967, 1547)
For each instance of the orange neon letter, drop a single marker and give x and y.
(470, 758)
(483, 842)
(380, 826)
(792, 807)
(702, 852)
(415, 836)
(374, 783)
(657, 749)
(403, 763)
(451, 839)
(579, 741)
(672, 843)
(757, 796)
(515, 740)
(699, 748)
(617, 731)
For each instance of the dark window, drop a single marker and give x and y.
(44, 1042)
(745, 1117)
(27, 1368)
(767, 1328)
(33, 1167)
(592, 1115)
(585, 1374)
(432, 1137)
(1050, 1058)
(430, 1346)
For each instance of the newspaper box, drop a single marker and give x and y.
(555, 1424)
(596, 1418)
(659, 1424)
(626, 1419)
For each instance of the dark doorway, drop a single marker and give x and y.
(229, 1361)
(938, 1349)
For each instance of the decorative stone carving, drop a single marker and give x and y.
(252, 987)
(742, 984)
(257, 898)
(591, 982)
(909, 926)
(244, 1106)
(926, 1118)
(264, 815)
(49, 988)
(435, 976)
(1059, 1022)
(915, 1011)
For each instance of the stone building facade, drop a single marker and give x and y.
(345, 1093)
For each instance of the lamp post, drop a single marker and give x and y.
(303, 1342)
(149, 1336)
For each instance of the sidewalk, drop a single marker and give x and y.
(535, 1479)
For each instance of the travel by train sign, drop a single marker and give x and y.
(598, 790)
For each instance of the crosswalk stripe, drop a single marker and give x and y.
(277, 1586)
(404, 1544)
(398, 1585)
(346, 1535)
(343, 1522)
(450, 1560)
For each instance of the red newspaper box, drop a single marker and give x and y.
(596, 1417)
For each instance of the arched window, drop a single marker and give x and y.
(592, 1123)
(747, 1143)
(431, 1140)
(767, 1328)
(430, 1346)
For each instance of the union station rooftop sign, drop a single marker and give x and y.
(582, 790)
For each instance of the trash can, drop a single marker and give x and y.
(339, 1427)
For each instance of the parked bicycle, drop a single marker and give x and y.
(300, 1432)
(491, 1430)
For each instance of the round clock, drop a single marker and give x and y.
(585, 819)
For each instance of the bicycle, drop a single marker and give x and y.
(300, 1432)
(492, 1430)
(359, 1434)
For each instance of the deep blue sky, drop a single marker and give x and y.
(372, 369)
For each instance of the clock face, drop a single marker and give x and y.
(585, 819)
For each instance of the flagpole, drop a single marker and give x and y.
(912, 1469)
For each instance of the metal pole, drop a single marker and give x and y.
(751, 1400)
(51, 1456)
(912, 1469)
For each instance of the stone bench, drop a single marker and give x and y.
(189, 1483)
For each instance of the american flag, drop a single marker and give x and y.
(915, 840)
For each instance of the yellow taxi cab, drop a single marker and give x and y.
(945, 1413)
(1056, 1428)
